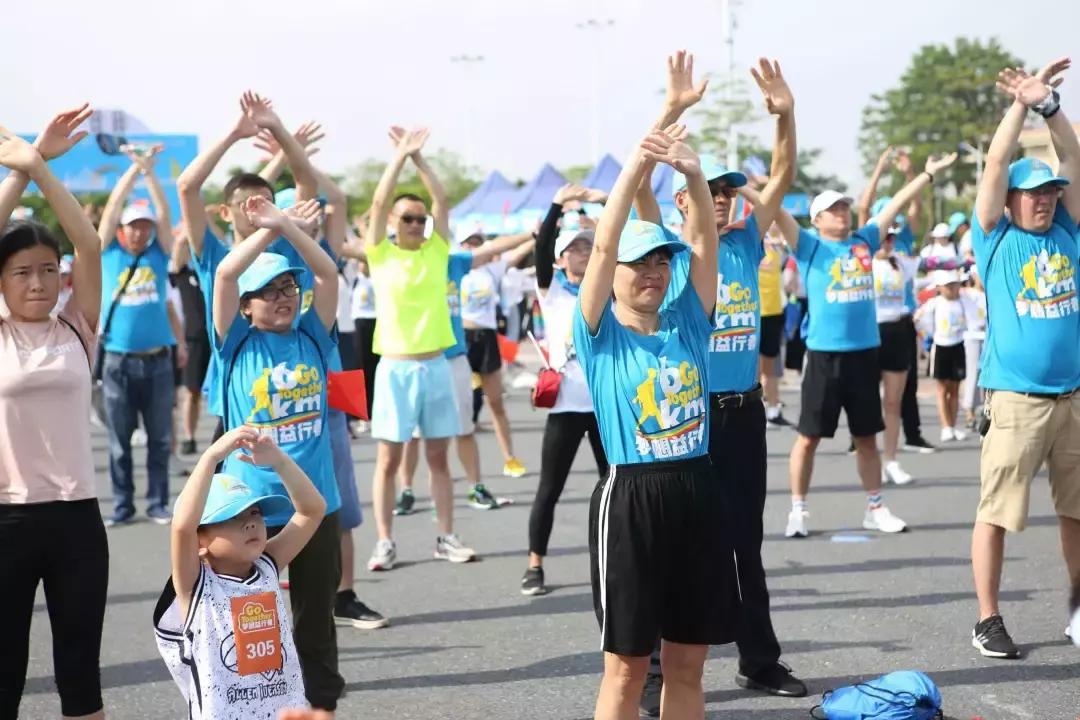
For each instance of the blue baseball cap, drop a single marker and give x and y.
(1029, 173)
(712, 170)
(265, 268)
(640, 237)
(286, 198)
(880, 204)
(229, 496)
(957, 219)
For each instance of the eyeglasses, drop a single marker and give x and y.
(719, 187)
(270, 293)
(1043, 191)
(414, 219)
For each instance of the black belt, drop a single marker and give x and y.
(735, 400)
(146, 354)
(1051, 396)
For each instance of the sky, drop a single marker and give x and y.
(359, 66)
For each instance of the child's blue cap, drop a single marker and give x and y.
(229, 496)
(265, 268)
(640, 237)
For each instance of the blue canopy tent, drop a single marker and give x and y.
(494, 189)
(604, 174)
(532, 201)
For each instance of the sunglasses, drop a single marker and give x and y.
(414, 219)
(270, 294)
(1043, 191)
(719, 187)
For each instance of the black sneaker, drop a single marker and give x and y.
(992, 639)
(532, 582)
(120, 517)
(348, 610)
(777, 422)
(187, 447)
(775, 680)
(405, 503)
(851, 448)
(650, 694)
(919, 445)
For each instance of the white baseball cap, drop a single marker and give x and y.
(941, 230)
(941, 278)
(137, 211)
(826, 200)
(565, 239)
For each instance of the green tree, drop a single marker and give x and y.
(576, 173)
(716, 114)
(945, 96)
(459, 179)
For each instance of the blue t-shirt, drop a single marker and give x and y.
(1033, 316)
(460, 264)
(141, 320)
(839, 281)
(733, 347)
(649, 391)
(277, 384)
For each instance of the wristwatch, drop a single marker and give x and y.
(1049, 105)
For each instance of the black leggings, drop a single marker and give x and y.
(562, 436)
(364, 337)
(62, 545)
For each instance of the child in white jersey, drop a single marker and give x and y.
(944, 316)
(221, 624)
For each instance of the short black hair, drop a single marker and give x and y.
(246, 181)
(409, 196)
(19, 235)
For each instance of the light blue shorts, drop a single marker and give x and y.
(414, 394)
(350, 515)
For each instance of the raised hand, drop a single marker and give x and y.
(903, 162)
(681, 91)
(17, 154)
(411, 142)
(1019, 85)
(307, 215)
(307, 135)
(667, 146)
(569, 192)
(59, 135)
(263, 213)
(259, 110)
(145, 157)
(261, 450)
(245, 127)
(593, 195)
(886, 155)
(232, 441)
(1048, 73)
(937, 164)
(778, 97)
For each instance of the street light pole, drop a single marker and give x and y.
(596, 25)
(466, 62)
(727, 26)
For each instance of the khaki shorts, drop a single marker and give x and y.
(1026, 432)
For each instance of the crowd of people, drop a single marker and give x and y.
(666, 352)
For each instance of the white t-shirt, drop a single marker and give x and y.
(480, 294)
(936, 250)
(200, 650)
(512, 288)
(558, 306)
(363, 298)
(346, 275)
(890, 296)
(946, 319)
(974, 301)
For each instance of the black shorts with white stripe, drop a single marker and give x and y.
(663, 566)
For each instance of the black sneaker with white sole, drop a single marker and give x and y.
(348, 610)
(774, 680)
(991, 639)
(919, 445)
(532, 582)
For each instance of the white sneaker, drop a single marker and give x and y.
(138, 438)
(383, 556)
(959, 434)
(947, 434)
(895, 474)
(881, 519)
(449, 547)
(1073, 631)
(796, 524)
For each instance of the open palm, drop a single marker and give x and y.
(59, 135)
(16, 153)
(773, 86)
(259, 109)
(681, 91)
(306, 214)
(1018, 84)
(667, 146)
(262, 213)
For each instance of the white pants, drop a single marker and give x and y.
(972, 396)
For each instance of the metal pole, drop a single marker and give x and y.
(727, 25)
(466, 62)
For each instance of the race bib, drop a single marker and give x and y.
(257, 629)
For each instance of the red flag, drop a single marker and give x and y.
(346, 391)
(508, 349)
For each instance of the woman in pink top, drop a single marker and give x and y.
(50, 525)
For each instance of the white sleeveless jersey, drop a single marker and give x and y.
(558, 306)
(201, 651)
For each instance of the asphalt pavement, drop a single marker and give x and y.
(848, 605)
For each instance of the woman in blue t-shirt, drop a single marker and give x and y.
(274, 363)
(661, 564)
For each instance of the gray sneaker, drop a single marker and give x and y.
(449, 547)
(383, 556)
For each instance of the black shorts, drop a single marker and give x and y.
(483, 350)
(662, 564)
(835, 381)
(772, 332)
(198, 359)
(897, 351)
(948, 362)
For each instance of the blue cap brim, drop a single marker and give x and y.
(296, 271)
(268, 504)
(634, 253)
(1032, 183)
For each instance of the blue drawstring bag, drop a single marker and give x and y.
(904, 695)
